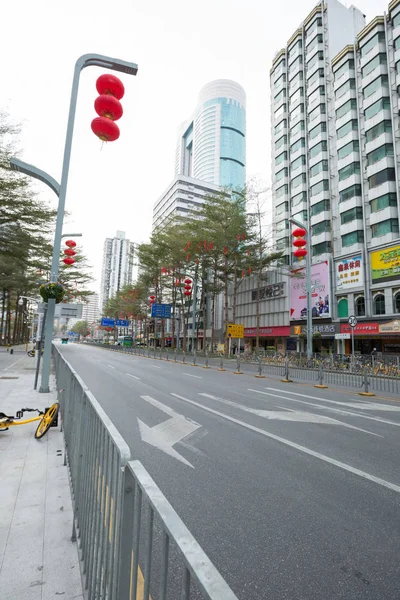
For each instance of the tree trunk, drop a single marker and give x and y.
(226, 303)
(204, 306)
(212, 318)
(235, 290)
(258, 312)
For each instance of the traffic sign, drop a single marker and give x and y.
(161, 311)
(235, 331)
(107, 322)
(352, 321)
(122, 323)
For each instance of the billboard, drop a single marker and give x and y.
(320, 302)
(349, 273)
(385, 264)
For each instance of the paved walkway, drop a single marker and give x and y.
(38, 561)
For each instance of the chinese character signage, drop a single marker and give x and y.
(349, 273)
(161, 311)
(320, 301)
(360, 329)
(276, 290)
(385, 264)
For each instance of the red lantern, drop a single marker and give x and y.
(299, 232)
(177, 282)
(300, 252)
(152, 297)
(105, 129)
(243, 273)
(69, 252)
(109, 107)
(187, 293)
(109, 84)
(70, 243)
(68, 261)
(188, 287)
(299, 242)
(188, 281)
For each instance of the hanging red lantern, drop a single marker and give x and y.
(243, 273)
(187, 256)
(68, 261)
(188, 287)
(211, 245)
(69, 252)
(109, 107)
(299, 242)
(188, 281)
(177, 282)
(243, 236)
(299, 232)
(109, 84)
(70, 243)
(300, 252)
(105, 129)
(163, 270)
(226, 250)
(152, 297)
(187, 293)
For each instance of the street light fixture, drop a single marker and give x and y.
(308, 288)
(87, 60)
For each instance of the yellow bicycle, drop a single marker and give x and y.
(46, 419)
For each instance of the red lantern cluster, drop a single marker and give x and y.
(152, 299)
(69, 253)
(299, 242)
(188, 287)
(108, 107)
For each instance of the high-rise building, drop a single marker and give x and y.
(212, 143)
(117, 268)
(91, 310)
(365, 215)
(302, 122)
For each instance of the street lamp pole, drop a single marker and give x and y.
(87, 60)
(308, 288)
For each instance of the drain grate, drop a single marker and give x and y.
(7, 377)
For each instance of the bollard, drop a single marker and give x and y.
(286, 378)
(221, 364)
(260, 373)
(175, 354)
(11, 350)
(160, 353)
(206, 365)
(320, 383)
(183, 357)
(238, 371)
(366, 391)
(194, 359)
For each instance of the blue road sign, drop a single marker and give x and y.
(107, 322)
(161, 311)
(122, 323)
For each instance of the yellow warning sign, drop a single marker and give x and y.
(235, 331)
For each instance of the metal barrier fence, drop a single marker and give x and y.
(120, 513)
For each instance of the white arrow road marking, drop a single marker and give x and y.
(190, 375)
(277, 438)
(111, 367)
(358, 405)
(291, 415)
(170, 432)
(133, 376)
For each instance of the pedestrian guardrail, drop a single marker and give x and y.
(119, 513)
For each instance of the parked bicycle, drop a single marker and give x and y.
(32, 352)
(46, 419)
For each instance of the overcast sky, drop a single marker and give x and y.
(179, 46)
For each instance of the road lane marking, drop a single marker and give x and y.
(291, 415)
(155, 366)
(98, 360)
(277, 438)
(111, 367)
(339, 411)
(357, 405)
(190, 375)
(133, 376)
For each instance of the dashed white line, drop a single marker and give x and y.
(111, 367)
(155, 366)
(190, 375)
(133, 376)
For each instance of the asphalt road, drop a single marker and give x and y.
(293, 492)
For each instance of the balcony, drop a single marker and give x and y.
(380, 165)
(377, 49)
(347, 160)
(352, 180)
(380, 190)
(325, 215)
(384, 138)
(316, 159)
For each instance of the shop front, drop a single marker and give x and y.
(373, 336)
(272, 339)
(323, 336)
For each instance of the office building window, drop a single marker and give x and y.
(377, 130)
(376, 107)
(315, 76)
(382, 202)
(377, 84)
(297, 111)
(281, 96)
(281, 110)
(384, 227)
(397, 43)
(313, 27)
(318, 168)
(321, 186)
(346, 107)
(376, 39)
(295, 48)
(296, 81)
(282, 208)
(320, 128)
(298, 94)
(320, 207)
(299, 162)
(349, 170)
(302, 178)
(379, 304)
(280, 126)
(295, 66)
(350, 192)
(318, 39)
(297, 145)
(350, 84)
(396, 303)
(352, 146)
(379, 59)
(313, 61)
(280, 81)
(345, 68)
(351, 215)
(355, 237)
(314, 114)
(322, 227)
(301, 216)
(379, 153)
(281, 142)
(318, 148)
(298, 198)
(281, 191)
(360, 306)
(281, 158)
(346, 128)
(381, 177)
(296, 128)
(322, 248)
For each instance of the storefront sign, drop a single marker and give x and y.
(360, 328)
(320, 294)
(268, 292)
(328, 330)
(267, 331)
(391, 327)
(342, 336)
(385, 264)
(349, 273)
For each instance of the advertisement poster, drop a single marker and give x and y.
(321, 305)
(385, 264)
(349, 273)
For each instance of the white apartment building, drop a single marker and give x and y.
(117, 267)
(91, 310)
(302, 110)
(365, 219)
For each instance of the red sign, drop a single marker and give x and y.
(268, 331)
(360, 328)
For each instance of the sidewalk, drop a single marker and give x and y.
(38, 561)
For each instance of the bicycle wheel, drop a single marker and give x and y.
(46, 421)
(31, 353)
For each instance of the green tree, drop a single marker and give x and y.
(81, 327)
